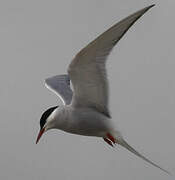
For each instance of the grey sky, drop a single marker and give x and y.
(38, 39)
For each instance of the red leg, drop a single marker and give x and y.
(111, 137)
(108, 141)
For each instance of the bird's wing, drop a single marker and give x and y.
(60, 85)
(87, 70)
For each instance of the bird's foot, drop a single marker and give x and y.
(110, 139)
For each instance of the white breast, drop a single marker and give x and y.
(83, 121)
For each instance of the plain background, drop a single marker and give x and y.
(38, 39)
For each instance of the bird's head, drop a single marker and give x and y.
(45, 122)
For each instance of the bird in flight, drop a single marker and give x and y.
(85, 108)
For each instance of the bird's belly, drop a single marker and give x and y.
(88, 123)
(90, 131)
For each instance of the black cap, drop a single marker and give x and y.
(45, 115)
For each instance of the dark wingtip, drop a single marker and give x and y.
(149, 7)
(146, 9)
(152, 5)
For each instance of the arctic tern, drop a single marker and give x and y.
(85, 109)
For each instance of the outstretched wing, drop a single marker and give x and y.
(60, 85)
(87, 70)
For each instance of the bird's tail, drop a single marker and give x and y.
(123, 143)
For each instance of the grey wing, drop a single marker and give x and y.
(60, 85)
(87, 70)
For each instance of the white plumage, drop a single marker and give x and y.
(85, 110)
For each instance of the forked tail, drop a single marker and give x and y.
(123, 143)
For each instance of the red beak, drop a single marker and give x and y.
(40, 134)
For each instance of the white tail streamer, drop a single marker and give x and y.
(123, 143)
